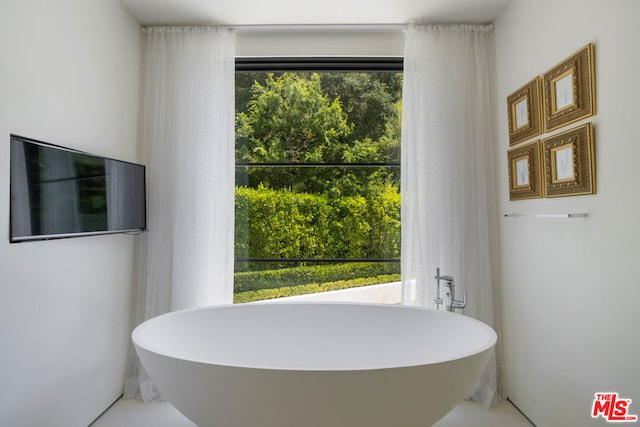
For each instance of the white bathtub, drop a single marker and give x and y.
(314, 364)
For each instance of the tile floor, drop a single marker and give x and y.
(132, 413)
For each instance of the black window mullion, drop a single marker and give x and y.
(392, 64)
(318, 165)
(316, 260)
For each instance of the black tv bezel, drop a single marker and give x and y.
(41, 237)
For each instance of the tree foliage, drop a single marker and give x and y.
(370, 101)
(304, 118)
(290, 119)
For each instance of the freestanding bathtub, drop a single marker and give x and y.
(314, 364)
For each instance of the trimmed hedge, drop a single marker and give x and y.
(284, 224)
(288, 291)
(305, 275)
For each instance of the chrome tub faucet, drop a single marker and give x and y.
(445, 293)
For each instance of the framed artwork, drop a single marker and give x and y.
(569, 90)
(524, 112)
(569, 163)
(525, 172)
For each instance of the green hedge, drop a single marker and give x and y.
(288, 291)
(283, 224)
(288, 277)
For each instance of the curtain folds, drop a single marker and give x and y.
(187, 144)
(449, 215)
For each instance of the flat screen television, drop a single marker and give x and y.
(58, 192)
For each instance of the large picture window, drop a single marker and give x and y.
(317, 175)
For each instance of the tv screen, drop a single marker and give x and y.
(58, 192)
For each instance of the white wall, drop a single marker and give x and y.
(383, 42)
(571, 286)
(68, 75)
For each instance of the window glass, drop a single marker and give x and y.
(317, 182)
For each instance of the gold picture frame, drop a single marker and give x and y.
(569, 89)
(525, 172)
(525, 112)
(569, 163)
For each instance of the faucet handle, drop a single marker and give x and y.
(460, 304)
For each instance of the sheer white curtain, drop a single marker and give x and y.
(448, 206)
(187, 140)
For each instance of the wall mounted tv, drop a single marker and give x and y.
(58, 192)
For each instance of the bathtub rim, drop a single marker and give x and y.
(487, 345)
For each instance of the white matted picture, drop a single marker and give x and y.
(522, 171)
(564, 96)
(521, 113)
(562, 159)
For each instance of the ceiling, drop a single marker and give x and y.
(312, 12)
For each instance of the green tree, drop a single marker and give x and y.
(290, 120)
(300, 118)
(370, 100)
(373, 103)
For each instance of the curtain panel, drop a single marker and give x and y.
(449, 215)
(187, 143)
